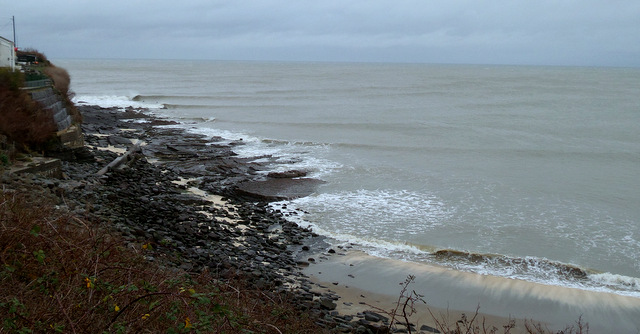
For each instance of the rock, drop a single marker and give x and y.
(328, 304)
(118, 140)
(287, 175)
(429, 329)
(279, 189)
(146, 207)
(375, 317)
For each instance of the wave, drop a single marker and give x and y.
(347, 230)
(197, 119)
(143, 98)
(190, 106)
(114, 101)
(516, 266)
(539, 270)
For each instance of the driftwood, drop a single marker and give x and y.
(119, 160)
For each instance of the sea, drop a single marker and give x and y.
(525, 172)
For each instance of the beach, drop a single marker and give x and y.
(520, 182)
(358, 278)
(202, 208)
(211, 185)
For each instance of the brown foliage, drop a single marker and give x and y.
(60, 77)
(62, 83)
(23, 120)
(65, 274)
(33, 52)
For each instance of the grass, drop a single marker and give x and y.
(62, 83)
(63, 274)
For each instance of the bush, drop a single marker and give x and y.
(60, 77)
(40, 57)
(11, 80)
(24, 121)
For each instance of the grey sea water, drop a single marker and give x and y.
(524, 172)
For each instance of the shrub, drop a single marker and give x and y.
(24, 121)
(60, 77)
(11, 80)
(40, 57)
(68, 275)
(62, 83)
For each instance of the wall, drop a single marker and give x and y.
(7, 53)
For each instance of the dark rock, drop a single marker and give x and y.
(429, 329)
(288, 174)
(375, 317)
(141, 201)
(279, 189)
(118, 140)
(327, 304)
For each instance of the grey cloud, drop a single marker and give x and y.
(571, 32)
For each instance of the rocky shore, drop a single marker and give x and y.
(198, 205)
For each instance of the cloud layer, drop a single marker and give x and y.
(546, 32)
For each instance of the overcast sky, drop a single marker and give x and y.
(535, 32)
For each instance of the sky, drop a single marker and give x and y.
(521, 32)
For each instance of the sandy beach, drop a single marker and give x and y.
(363, 281)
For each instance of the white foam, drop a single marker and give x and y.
(342, 216)
(281, 155)
(113, 101)
(619, 282)
(376, 211)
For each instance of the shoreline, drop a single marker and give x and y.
(499, 299)
(359, 277)
(189, 194)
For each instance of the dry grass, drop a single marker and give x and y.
(62, 274)
(62, 83)
(21, 119)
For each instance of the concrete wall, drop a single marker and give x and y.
(50, 100)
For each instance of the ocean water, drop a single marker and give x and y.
(530, 173)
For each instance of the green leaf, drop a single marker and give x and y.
(35, 230)
(39, 256)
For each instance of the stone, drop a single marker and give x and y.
(429, 329)
(327, 304)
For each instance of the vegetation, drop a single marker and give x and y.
(68, 275)
(22, 120)
(62, 83)
(26, 124)
(40, 57)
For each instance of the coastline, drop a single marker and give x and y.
(188, 194)
(208, 167)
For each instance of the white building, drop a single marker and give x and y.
(7, 53)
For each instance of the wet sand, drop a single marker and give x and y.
(375, 281)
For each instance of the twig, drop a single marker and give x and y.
(134, 301)
(270, 325)
(73, 329)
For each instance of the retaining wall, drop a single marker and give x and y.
(50, 100)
